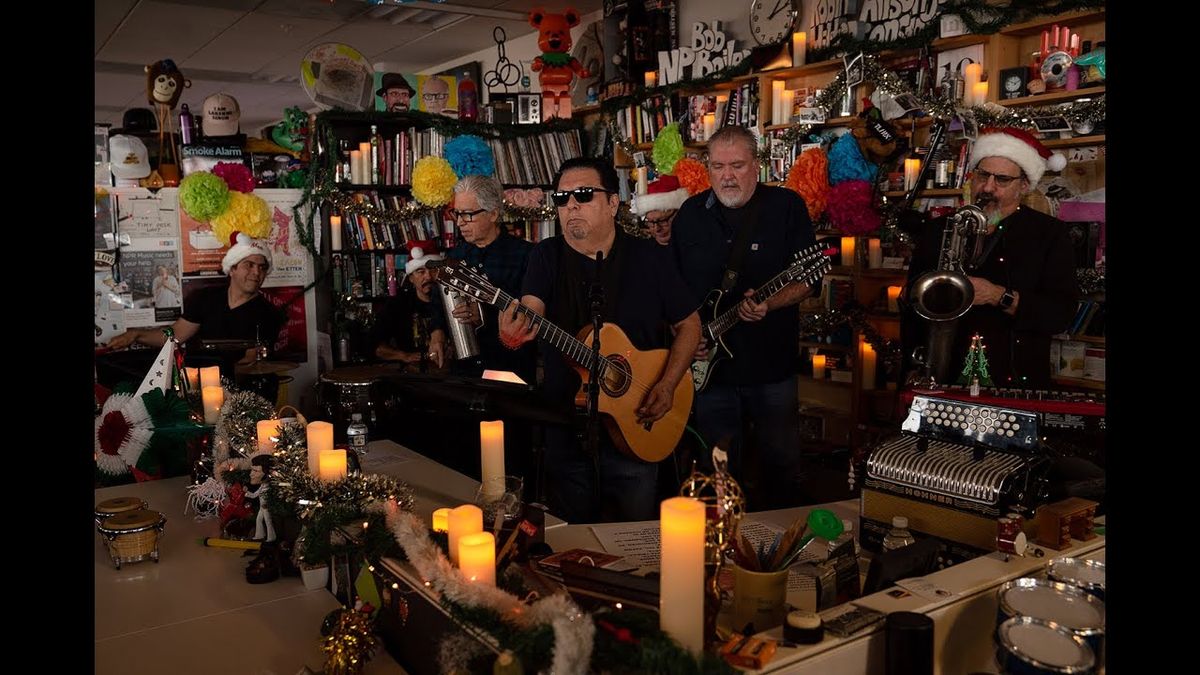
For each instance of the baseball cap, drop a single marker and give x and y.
(128, 157)
(221, 115)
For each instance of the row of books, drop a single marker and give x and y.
(367, 275)
(395, 155)
(534, 160)
(641, 123)
(361, 232)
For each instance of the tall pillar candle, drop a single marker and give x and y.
(874, 253)
(464, 520)
(972, 73)
(893, 299)
(477, 557)
(320, 437)
(912, 168)
(867, 354)
(777, 101)
(651, 79)
(210, 377)
(213, 398)
(799, 48)
(848, 251)
(710, 125)
(818, 366)
(681, 595)
(979, 93)
(331, 465)
(266, 429)
(356, 167)
(491, 458)
(643, 185)
(335, 233)
(789, 105)
(364, 157)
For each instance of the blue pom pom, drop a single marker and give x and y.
(469, 156)
(846, 162)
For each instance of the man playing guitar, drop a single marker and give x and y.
(642, 294)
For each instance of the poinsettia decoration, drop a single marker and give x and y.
(124, 430)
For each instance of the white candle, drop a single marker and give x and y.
(789, 105)
(441, 520)
(777, 101)
(867, 354)
(848, 251)
(874, 253)
(332, 465)
(193, 378)
(320, 437)
(710, 125)
(210, 377)
(491, 458)
(799, 46)
(212, 397)
(356, 167)
(651, 79)
(364, 154)
(266, 429)
(681, 595)
(466, 519)
(893, 299)
(818, 364)
(642, 183)
(912, 168)
(971, 76)
(477, 557)
(335, 233)
(979, 93)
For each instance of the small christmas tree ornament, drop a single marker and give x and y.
(975, 369)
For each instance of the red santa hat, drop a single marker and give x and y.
(664, 194)
(418, 259)
(1019, 146)
(244, 246)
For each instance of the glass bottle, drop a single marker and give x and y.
(374, 155)
(468, 100)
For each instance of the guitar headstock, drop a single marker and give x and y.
(454, 274)
(810, 264)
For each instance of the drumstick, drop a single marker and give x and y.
(230, 543)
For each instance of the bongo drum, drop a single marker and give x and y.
(1029, 646)
(345, 391)
(132, 536)
(111, 507)
(1086, 575)
(1067, 606)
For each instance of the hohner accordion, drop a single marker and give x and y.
(955, 469)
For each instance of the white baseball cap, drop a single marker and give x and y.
(128, 157)
(221, 115)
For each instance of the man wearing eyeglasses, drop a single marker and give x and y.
(485, 244)
(435, 95)
(1024, 274)
(659, 205)
(642, 295)
(764, 226)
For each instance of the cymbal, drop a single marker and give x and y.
(265, 368)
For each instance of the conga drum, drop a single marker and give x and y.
(355, 389)
(1086, 575)
(132, 536)
(1066, 606)
(1026, 645)
(111, 507)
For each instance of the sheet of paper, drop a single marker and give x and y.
(638, 542)
(385, 463)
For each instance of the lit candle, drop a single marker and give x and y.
(335, 233)
(979, 93)
(818, 363)
(1075, 45)
(848, 251)
(466, 519)
(212, 397)
(642, 180)
(491, 458)
(868, 365)
(210, 377)
(193, 378)
(320, 437)
(971, 76)
(266, 429)
(789, 105)
(777, 101)
(874, 253)
(799, 46)
(893, 299)
(332, 465)
(681, 594)
(912, 167)
(477, 557)
(651, 79)
(441, 520)
(364, 169)
(710, 125)
(356, 167)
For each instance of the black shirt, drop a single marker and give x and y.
(504, 262)
(701, 241)
(256, 319)
(406, 321)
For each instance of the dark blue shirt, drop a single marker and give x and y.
(504, 262)
(702, 236)
(651, 298)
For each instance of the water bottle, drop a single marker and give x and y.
(898, 536)
(846, 535)
(356, 434)
(186, 123)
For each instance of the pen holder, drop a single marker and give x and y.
(759, 598)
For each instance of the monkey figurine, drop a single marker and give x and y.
(164, 83)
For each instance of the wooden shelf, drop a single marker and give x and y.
(1097, 139)
(1053, 97)
(820, 67)
(827, 347)
(585, 109)
(1079, 382)
(1035, 26)
(935, 192)
(958, 41)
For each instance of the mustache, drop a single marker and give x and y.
(985, 198)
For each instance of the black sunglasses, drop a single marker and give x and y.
(583, 195)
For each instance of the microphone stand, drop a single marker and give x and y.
(596, 298)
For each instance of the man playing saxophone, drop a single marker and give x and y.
(1021, 274)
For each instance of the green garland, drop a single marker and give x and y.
(641, 93)
(854, 314)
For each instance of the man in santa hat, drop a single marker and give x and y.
(411, 326)
(658, 206)
(1024, 274)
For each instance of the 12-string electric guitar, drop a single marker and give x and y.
(627, 373)
(809, 266)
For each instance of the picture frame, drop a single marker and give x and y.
(1051, 123)
(1013, 82)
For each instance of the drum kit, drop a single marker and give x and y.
(1056, 625)
(131, 531)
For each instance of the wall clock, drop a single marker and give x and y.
(771, 20)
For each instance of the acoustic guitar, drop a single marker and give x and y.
(627, 373)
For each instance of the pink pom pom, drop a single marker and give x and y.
(237, 176)
(850, 209)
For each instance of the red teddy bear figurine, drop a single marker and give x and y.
(556, 67)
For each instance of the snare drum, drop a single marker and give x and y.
(1029, 646)
(111, 507)
(354, 389)
(132, 536)
(1086, 575)
(1067, 606)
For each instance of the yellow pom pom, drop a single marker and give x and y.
(433, 181)
(246, 213)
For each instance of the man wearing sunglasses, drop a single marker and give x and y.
(643, 295)
(1024, 275)
(765, 226)
(485, 244)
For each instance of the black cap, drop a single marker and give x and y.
(908, 644)
(138, 120)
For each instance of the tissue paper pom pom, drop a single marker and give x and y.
(807, 178)
(516, 197)
(692, 175)
(470, 156)
(433, 181)
(246, 213)
(668, 148)
(203, 196)
(846, 162)
(237, 176)
(850, 208)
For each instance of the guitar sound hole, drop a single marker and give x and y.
(616, 378)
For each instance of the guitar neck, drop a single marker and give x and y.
(729, 318)
(568, 344)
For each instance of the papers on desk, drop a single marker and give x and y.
(385, 461)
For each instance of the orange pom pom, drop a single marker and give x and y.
(692, 175)
(809, 178)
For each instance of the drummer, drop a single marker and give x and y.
(236, 312)
(411, 326)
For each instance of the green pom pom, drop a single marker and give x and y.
(668, 148)
(203, 196)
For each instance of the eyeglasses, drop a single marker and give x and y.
(660, 221)
(429, 98)
(583, 195)
(1001, 179)
(468, 216)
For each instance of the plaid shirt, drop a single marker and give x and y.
(503, 261)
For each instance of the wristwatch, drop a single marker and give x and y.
(1007, 299)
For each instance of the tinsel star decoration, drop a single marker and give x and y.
(123, 432)
(350, 644)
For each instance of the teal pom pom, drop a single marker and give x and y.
(470, 156)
